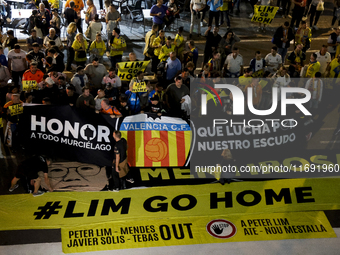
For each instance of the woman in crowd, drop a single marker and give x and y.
(94, 28)
(227, 44)
(80, 45)
(71, 34)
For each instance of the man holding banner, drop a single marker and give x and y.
(263, 3)
(135, 94)
(264, 13)
(32, 77)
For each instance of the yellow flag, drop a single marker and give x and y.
(264, 14)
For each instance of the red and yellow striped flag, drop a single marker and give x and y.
(160, 142)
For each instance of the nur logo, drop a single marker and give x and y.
(238, 100)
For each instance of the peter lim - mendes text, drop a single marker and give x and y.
(270, 169)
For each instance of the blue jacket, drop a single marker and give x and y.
(133, 101)
(253, 61)
(214, 7)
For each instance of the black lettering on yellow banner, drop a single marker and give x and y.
(195, 230)
(258, 74)
(264, 14)
(29, 85)
(16, 109)
(55, 210)
(128, 70)
(139, 87)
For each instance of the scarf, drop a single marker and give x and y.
(81, 78)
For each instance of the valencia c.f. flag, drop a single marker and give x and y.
(156, 142)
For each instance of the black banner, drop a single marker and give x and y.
(66, 132)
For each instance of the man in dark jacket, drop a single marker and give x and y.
(282, 37)
(211, 45)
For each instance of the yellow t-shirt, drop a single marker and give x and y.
(179, 39)
(76, 46)
(155, 43)
(117, 43)
(225, 6)
(100, 46)
(244, 81)
(163, 56)
(78, 4)
(313, 69)
(335, 68)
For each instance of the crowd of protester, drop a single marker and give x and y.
(174, 60)
(94, 87)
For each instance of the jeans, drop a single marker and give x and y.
(314, 12)
(226, 13)
(237, 4)
(335, 17)
(283, 53)
(154, 64)
(79, 27)
(115, 59)
(70, 58)
(213, 15)
(297, 16)
(16, 76)
(286, 7)
(307, 10)
(195, 21)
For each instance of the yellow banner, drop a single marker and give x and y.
(264, 14)
(128, 70)
(258, 74)
(16, 109)
(139, 87)
(68, 209)
(1, 123)
(29, 85)
(196, 230)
